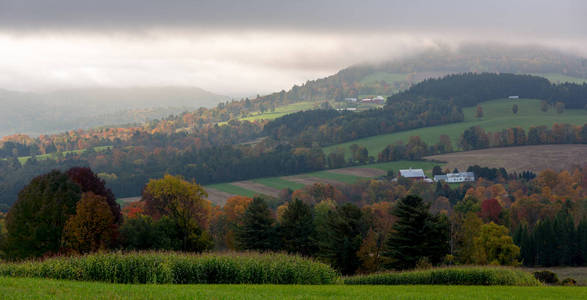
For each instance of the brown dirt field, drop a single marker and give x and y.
(312, 180)
(361, 172)
(257, 187)
(532, 158)
(218, 197)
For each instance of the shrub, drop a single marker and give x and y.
(546, 277)
(449, 276)
(174, 267)
(569, 282)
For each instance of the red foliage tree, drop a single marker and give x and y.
(90, 182)
(490, 210)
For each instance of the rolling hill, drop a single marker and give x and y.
(497, 115)
(41, 113)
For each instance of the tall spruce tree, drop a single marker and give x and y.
(297, 229)
(341, 241)
(258, 231)
(416, 235)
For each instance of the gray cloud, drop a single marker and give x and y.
(538, 17)
(253, 46)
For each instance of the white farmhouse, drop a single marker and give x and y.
(455, 177)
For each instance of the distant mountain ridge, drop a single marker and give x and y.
(39, 113)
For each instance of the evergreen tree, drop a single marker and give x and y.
(342, 240)
(417, 235)
(257, 231)
(297, 229)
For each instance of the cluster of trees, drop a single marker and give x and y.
(469, 89)
(329, 127)
(555, 241)
(74, 213)
(61, 212)
(477, 138)
(364, 227)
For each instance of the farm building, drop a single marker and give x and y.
(455, 177)
(417, 174)
(513, 97)
(350, 99)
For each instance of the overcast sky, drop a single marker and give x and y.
(247, 47)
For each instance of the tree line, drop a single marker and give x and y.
(365, 227)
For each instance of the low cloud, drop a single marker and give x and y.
(248, 47)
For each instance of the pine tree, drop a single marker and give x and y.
(297, 229)
(417, 235)
(342, 239)
(257, 231)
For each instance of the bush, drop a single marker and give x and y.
(181, 268)
(449, 276)
(569, 282)
(546, 277)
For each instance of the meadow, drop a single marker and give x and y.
(29, 288)
(333, 176)
(497, 115)
(24, 159)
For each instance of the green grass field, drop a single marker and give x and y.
(281, 111)
(26, 288)
(279, 183)
(232, 189)
(560, 78)
(497, 116)
(24, 159)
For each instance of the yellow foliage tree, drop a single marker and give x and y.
(92, 227)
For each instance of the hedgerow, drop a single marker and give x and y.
(450, 276)
(178, 268)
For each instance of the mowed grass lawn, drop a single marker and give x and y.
(498, 115)
(27, 288)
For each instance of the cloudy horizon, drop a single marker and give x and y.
(241, 48)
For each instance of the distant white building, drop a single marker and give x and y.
(455, 177)
(513, 97)
(413, 174)
(350, 99)
(347, 109)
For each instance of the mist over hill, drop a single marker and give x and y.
(39, 113)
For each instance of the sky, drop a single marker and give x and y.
(240, 48)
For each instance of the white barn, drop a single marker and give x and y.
(456, 177)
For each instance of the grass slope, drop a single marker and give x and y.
(281, 183)
(281, 111)
(232, 189)
(26, 288)
(24, 159)
(497, 116)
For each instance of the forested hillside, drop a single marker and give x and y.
(210, 146)
(51, 112)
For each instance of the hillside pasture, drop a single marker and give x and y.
(498, 115)
(218, 193)
(522, 158)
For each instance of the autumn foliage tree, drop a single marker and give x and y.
(183, 203)
(90, 182)
(35, 222)
(490, 210)
(92, 227)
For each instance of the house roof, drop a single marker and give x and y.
(461, 174)
(412, 173)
